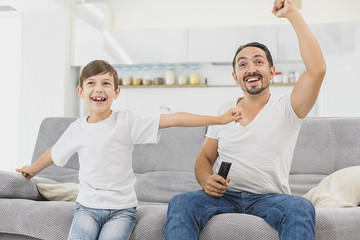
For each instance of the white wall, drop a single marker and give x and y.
(43, 73)
(138, 14)
(10, 44)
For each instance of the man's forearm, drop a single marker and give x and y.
(203, 170)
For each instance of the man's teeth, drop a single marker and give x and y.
(252, 79)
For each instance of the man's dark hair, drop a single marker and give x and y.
(258, 45)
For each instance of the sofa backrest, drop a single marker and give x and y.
(326, 145)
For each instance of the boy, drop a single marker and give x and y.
(104, 141)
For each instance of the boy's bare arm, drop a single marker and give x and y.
(182, 119)
(43, 162)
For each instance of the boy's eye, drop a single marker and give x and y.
(107, 83)
(90, 83)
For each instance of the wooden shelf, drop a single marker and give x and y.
(194, 85)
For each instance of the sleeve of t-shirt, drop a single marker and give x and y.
(144, 129)
(290, 115)
(64, 148)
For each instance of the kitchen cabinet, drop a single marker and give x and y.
(334, 39)
(288, 44)
(218, 45)
(153, 46)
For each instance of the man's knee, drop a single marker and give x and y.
(303, 207)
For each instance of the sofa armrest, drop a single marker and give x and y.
(14, 185)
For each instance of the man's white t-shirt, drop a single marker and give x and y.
(105, 148)
(261, 152)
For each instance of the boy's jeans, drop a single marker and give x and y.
(292, 216)
(91, 223)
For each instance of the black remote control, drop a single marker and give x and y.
(224, 169)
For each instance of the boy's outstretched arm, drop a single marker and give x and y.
(43, 162)
(182, 119)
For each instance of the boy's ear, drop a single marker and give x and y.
(117, 92)
(80, 91)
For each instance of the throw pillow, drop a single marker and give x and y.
(339, 189)
(59, 192)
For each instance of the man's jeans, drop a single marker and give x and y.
(188, 213)
(90, 223)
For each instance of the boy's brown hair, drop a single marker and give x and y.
(98, 67)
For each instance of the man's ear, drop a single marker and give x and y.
(272, 72)
(235, 78)
(80, 91)
(117, 92)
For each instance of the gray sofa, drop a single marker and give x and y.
(165, 169)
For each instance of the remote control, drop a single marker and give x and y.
(224, 169)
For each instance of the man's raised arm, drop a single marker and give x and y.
(308, 86)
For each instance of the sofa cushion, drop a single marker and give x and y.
(37, 219)
(59, 192)
(161, 186)
(14, 185)
(177, 150)
(339, 189)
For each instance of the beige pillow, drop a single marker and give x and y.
(59, 192)
(339, 189)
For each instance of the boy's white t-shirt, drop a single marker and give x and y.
(261, 152)
(106, 177)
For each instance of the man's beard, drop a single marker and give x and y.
(255, 91)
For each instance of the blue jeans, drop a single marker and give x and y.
(106, 224)
(188, 213)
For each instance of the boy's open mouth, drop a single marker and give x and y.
(98, 99)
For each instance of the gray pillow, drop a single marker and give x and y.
(14, 185)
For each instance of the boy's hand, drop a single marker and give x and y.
(282, 8)
(216, 185)
(233, 114)
(26, 171)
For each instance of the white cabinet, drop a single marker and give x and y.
(288, 45)
(153, 46)
(220, 44)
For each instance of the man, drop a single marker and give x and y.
(260, 146)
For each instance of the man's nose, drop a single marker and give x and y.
(251, 68)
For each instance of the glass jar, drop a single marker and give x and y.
(170, 75)
(194, 76)
(137, 76)
(127, 78)
(291, 76)
(183, 75)
(119, 72)
(278, 77)
(147, 75)
(158, 75)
